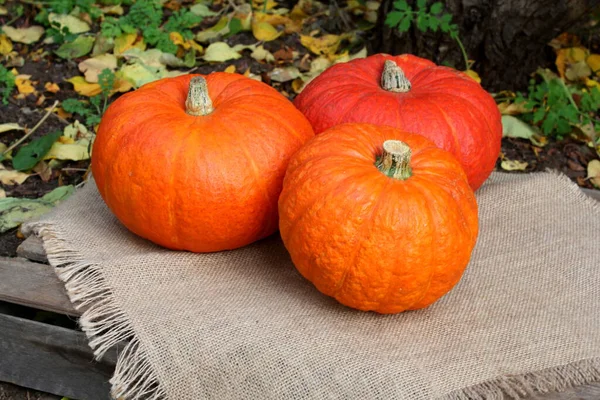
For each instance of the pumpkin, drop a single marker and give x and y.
(377, 218)
(197, 162)
(415, 95)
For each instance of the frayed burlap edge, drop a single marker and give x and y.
(103, 321)
(517, 387)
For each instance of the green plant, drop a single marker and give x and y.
(550, 103)
(147, 16)
(93, 111)
(403, 16)
(7, 84)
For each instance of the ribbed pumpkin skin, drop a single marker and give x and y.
(204, 183)
(443, 105)
(370, 241)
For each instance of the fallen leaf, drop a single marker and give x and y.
(24, 85)
(34, 151)
(508, 108)
(264, 31)
(593, 172)
(284, 74)
(202, 10)
(592, 83)
(91, 67)
(12, 177)
(116, 9)
(11, 126)
(230, 69)
(127, 41)
(473, 75)
(51, 87)
(261, 54)
(72, 23)
(139, 74)
(324, 45)
(15, 211)
(43, 170)
(24, 35)
(593, 61)
(513, 165)
(515, 128)
(79, 47)
(577, 71)
(102, 45)
(3, 10)
(5, 45)
(84, 88)
(69, 151)
(219, 52)
(2, 194)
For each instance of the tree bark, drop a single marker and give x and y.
(507, 39)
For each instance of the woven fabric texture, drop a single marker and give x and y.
(244, 324)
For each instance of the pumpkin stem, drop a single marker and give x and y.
(393, 78)
(198, 102)
(395, 160)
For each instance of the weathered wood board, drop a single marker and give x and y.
(52, 359)
(34, 285)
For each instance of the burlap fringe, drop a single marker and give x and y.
(104, 323)
(517, 387)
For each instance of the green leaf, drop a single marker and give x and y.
(31, 153)
(422, 22)
(393, 18)
(436, 8)
(539, 115)
(77, 48)
(404, 25)
(58, 194)
(401, 5)
(235, 26)
(549, 122)
(421, 4)
(434, 24)
(515, 128)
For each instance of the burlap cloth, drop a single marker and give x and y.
(245, 325)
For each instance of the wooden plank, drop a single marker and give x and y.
(32, 249)
(584, 392)
(594, 194)
(52, 359)
(34, 285)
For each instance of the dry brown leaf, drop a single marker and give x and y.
(12, 177)
(92, 67)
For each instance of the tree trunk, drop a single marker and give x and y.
(507, 39)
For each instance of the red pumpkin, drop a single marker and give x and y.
(197, 164)
(378, 218)
(413, 94)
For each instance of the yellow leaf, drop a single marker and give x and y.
(513, 165)
(11, 126)
(51, 87)
(70, 151)
(297, 85)
(592, 83)
(62, 113)
(124, 42)
(84, 88)
(5, 45)
(230, 69)
(74, 24)
(24, 35)
(121, 85)
(24, 85)
(265, 31)
(568, 56)
(192, 44)
(12, 177)
(594, 62)
(593, 172)
(115, 10)
(178, 40)
(326, 45)
(473, 75)
(219, 52)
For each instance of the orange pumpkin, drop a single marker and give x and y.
(378, 218)
(415, 95)
(197, 162)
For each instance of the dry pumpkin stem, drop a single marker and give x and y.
(395, 160)
(393, 78)
(198, 102)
